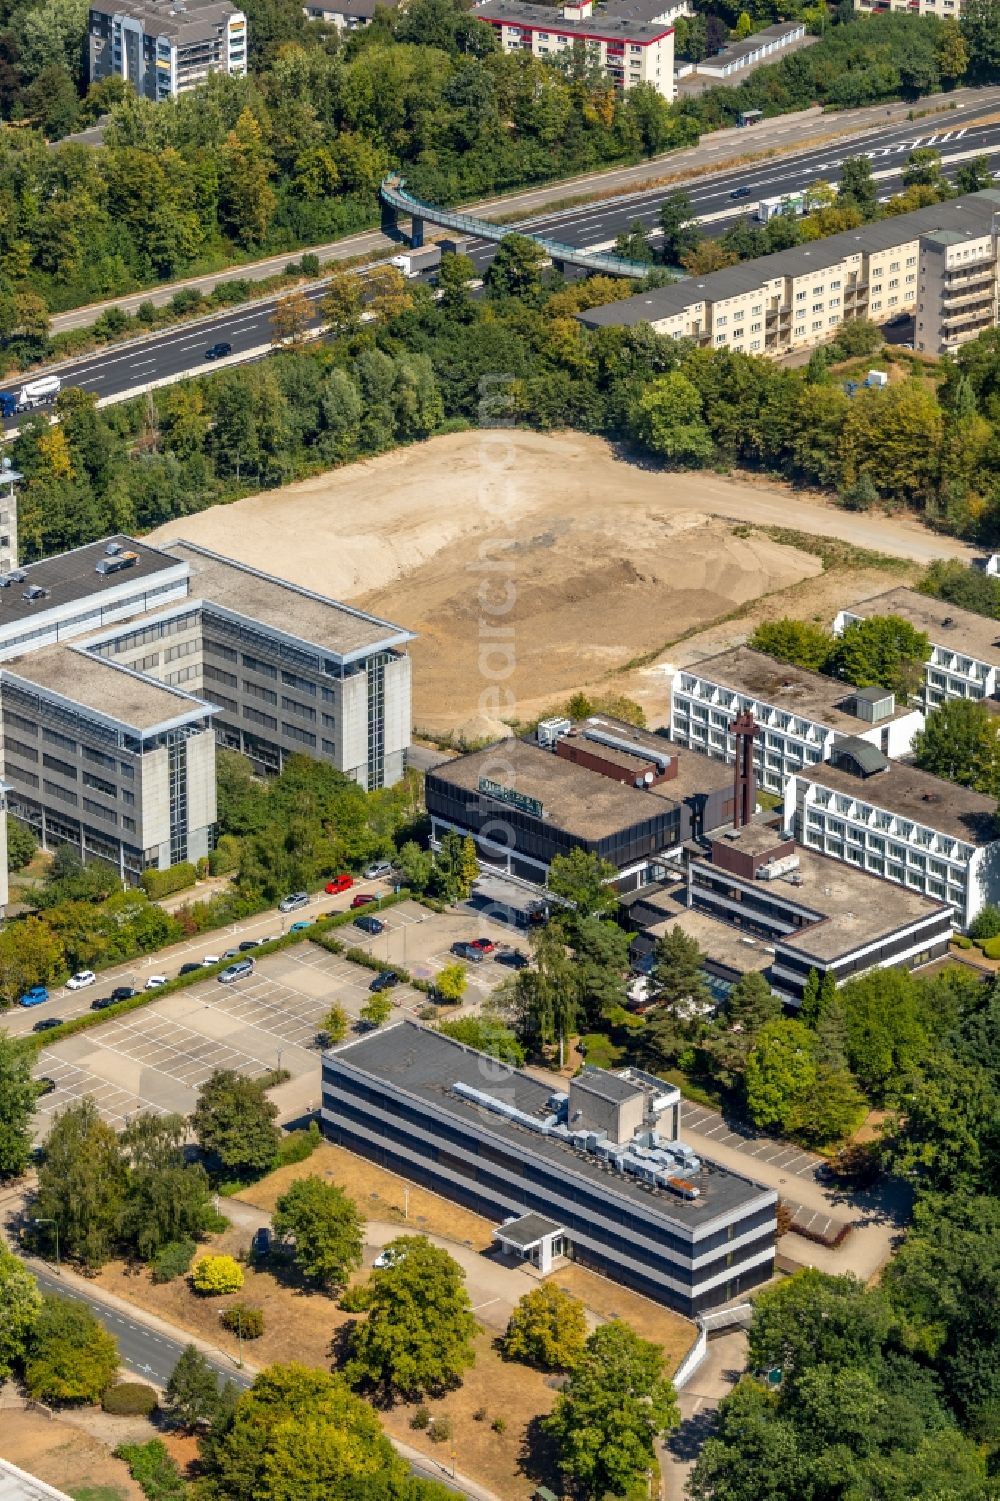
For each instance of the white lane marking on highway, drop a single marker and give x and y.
(141, 364)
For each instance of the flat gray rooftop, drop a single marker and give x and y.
(528, 1230)
(299, 613)
(717, 940)
(97, 684)
(17, 1485)
(961, 631)
(184, 23)
(71, 576)
(522, 13)
(737, 50)
(750, 839)
(811, 695)
(427, 1065)
(581, 802)
(852, 907)
(915, 795)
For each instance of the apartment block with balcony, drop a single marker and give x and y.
(165, 47)
(942, 8)
(901, 824)
(964, 660)
(792, 300)
(958, 278)
(800, 714)
(626, 50)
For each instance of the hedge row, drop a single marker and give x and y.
(159, 883)
(182, 982)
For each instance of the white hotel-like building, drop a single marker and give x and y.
(964, 661)
(631, 41)
(801, 714)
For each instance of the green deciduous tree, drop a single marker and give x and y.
(20, 1303)
(30, 954)
(547, 1329)
(882, 651)
(299, 1434)
(377, 1009)
(18, 1096)
(234, 1122)
(615, 1405)
(71, 1357)
(335, 1024)
(959, 741)
(487, 1034)
(678, 969)
(418, 1332)
(515, 270)
(815, 1319)
(326, 1228)
(980, 27)
(678, 221)
(669, 418)
(583, 878)
(167, 1198)
(857, 184)
(451, 982)
(797, 641)
(82, 1183)
(780, 1074)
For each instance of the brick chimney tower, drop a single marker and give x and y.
(744, 727)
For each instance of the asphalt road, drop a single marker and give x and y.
(151, 1356)
(145, 1352)
(124, 369)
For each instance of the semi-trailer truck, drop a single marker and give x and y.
(412, 262)
(34, 393)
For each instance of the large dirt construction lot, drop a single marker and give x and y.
(532, 564)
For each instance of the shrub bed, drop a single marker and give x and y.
(173, 1260)
(244, 1319)
(158, 883)
(130, 1399)
(153, 1470)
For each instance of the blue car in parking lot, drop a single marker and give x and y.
(35, 996)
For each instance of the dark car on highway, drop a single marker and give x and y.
(369, 924)
(743, 192)
(384, 981)
(218, 351)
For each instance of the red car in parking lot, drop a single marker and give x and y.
(339, 883)
(483, 945)
(363, 898)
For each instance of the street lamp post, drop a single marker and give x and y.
(55, 1226)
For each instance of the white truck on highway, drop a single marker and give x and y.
(791, 204)
(412, 262)
(34, 393)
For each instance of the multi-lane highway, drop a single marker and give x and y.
(123, 369)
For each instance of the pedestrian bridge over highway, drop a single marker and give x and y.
(397, 200)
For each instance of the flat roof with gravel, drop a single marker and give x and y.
(961, 631)
(916, 795)
(575, 799)
(95, 683)
(811, 695)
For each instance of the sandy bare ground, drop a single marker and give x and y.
(533, 564)
(62, 1452)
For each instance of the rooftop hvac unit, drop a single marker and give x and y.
(549, 731)
(630, 747)
(777, 868)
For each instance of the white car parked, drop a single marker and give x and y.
(155, 981)
(81, 979)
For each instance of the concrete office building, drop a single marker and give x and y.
(626, 50)
(123, 666)
(630, 797)
(165, 47)
(934, 263)
(800, 715)
(814, 912)
(764, 46)
(596, 1172)
(964, 659)
(901, 824)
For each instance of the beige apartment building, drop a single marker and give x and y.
(938, 264)
(620, 40)
(953, 8)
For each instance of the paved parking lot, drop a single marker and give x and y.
(158, 1057)
(710, 1126)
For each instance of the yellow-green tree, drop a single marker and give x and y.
(548, 1328)
(246, 197)
(214, 1275)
